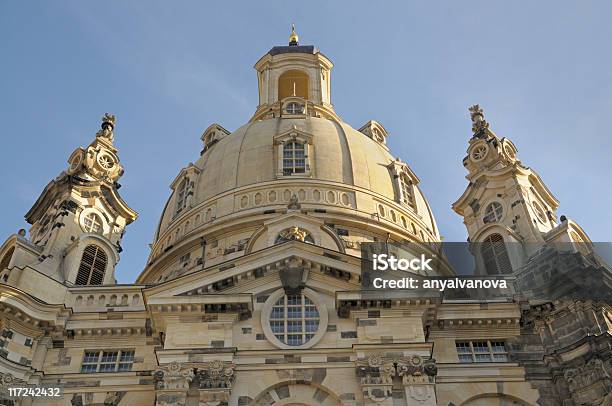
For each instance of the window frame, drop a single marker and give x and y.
(294, 168)
(96, 221)
(493, 215)
(98, 362)
(296, 315)
(292, 136)
(406, 189)
(266, 319)
(474, 354)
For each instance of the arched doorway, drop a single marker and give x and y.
(494, 399)
(294, 394)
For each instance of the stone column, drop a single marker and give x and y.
(172, 383)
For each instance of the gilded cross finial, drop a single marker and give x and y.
(479, 124)
(293, 38)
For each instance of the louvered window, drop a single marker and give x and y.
(495, 255)
(93, 266)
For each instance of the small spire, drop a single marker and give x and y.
(293, 38)
(480, 127)
(107, 127)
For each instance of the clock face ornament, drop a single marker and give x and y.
(76, 162)
(105, 161)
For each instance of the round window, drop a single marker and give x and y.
(539, 212)
(106, 161)
(75, 163)
(92, 223)
(509, 151)
(493, 213)
(479, 152)
(294, 320)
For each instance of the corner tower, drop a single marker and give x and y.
(79, 219)
(294, 79)
(507, 209)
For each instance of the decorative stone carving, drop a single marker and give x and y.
(294, 203)
(216, 374)
(418, 377)
(173, 376)
(7, 380)
(480, 126)
(108, 124)
(113, 398)
(416, 370)
(216, 379)
(351, 244)
(294, 233)
(582, 381)
(376, 373)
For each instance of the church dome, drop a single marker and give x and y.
(295, 152)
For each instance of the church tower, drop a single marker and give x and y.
(79, 219)
(507, 209)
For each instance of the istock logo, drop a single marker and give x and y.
(383, 262)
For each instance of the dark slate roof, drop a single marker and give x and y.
(300, 49)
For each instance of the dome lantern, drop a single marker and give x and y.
(294, 80)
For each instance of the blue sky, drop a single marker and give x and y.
(541, 70)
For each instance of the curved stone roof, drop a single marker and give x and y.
(341, 155)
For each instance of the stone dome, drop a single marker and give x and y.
(346, 179)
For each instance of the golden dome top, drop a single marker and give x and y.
(293, 38)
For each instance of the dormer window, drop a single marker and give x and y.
(212, 135)
(294, 158)
(294, 153)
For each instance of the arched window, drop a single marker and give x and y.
(495, 255)
(294, 158)
(406, 191)
(493, 213)
(293, 83)
(92, 223)
(181, 196)
(92, 267)
(6, 259)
